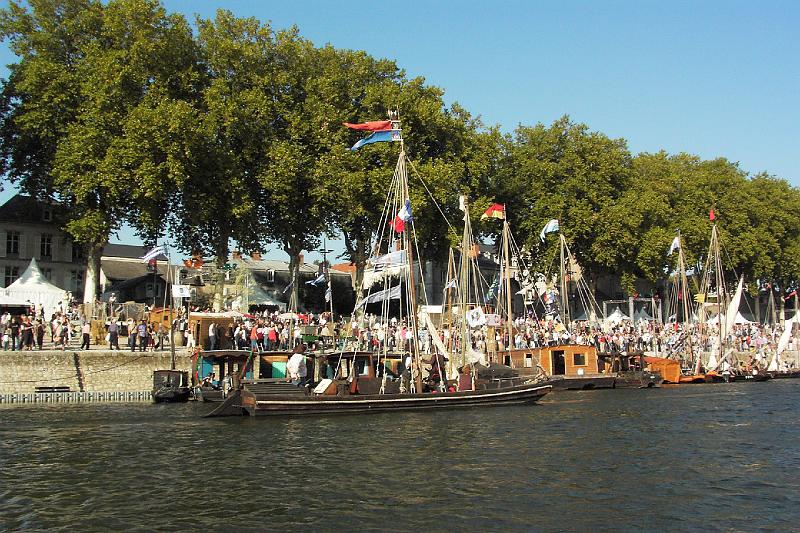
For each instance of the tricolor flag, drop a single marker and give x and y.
(328, 293)
(676, 243)
(378, 137)
(549, 228)
(152, 254)
(494, 211)
(375, 125)
(398, 223)
(711, 215)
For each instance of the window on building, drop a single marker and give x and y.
(579, 359)
(46, 247)
(12, 274)
(270, 276)
(47, 215)
(528, 360)
(12, 242)
(77, 252)
(76, 281)
(47, 273)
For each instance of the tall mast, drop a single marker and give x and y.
(464, 285)
(564, 282)
(684, 294)
(448, 303)
(507, 275)
(412, 290)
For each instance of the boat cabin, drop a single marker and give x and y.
(568, 360)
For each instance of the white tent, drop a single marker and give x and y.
(33, 288)
(739, 320)
(617, 316)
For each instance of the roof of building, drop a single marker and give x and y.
(128, 251)
(25, 209)
(132, 282)
(119, 269)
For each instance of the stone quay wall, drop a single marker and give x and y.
(84, 371)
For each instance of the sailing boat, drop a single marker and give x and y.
(565, 365)
(721, 364)
(360, 381)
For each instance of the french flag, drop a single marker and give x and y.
(398, 223)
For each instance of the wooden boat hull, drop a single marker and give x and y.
(785, 375)
(172, 395)
(244, 402)
(581, 383)
(210, 395)
(637, 379)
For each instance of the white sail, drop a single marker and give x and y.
(733, 308)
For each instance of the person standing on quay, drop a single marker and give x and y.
(39, 332)
(86, 330)
(113, 334)
(142, 334)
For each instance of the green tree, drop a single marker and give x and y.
(106, 59)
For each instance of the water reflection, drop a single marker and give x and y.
(689, 458)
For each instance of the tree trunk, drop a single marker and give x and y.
(92, 281)
(294, 253)
(219, 285)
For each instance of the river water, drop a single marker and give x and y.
(690, 458)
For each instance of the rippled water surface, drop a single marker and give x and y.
(693, 458)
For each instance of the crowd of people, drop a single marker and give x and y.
(273, 330)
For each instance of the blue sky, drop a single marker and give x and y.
(711, 78)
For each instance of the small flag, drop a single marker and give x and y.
(494, 211)
(152, 266)
(289, 286)
(377, 137)
(398, 223)
(316, 282)
(375, 125)
(699, 298)
(328, 293)
(452, 284)
(462, 203)
(152, 254)
(711, 215)
(676, 243)
(181, 291)
(492, 290)
(392, 259)
(194, 262)
(392, 293)
(549, 228)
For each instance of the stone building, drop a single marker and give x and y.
(30, 228)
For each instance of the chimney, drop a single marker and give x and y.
(256, 256)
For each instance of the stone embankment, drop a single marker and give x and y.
(93, 375)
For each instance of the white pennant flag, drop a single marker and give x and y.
(676, 243)
(549, 228)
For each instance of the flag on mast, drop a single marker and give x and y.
(495, 211)
(375, 125)
(398, 223)
(676, 243)
(152, 254)
(549, 228)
